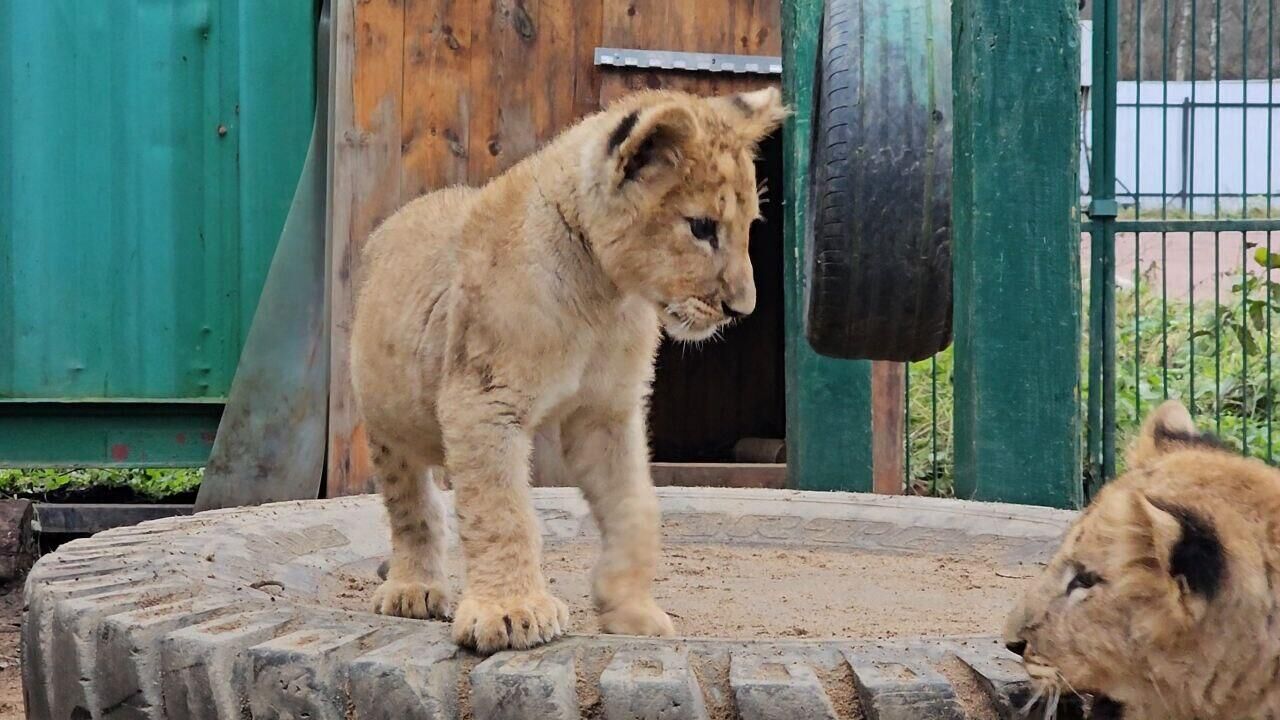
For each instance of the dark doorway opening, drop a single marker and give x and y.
(708, 398)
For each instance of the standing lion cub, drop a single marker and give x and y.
(536, 302)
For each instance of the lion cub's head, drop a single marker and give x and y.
(669, 194)
(1159, 599)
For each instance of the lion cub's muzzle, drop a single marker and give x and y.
(697, 319)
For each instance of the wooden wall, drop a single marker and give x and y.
(428, 93)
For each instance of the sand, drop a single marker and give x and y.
(758, 592)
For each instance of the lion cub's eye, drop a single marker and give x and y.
(1083, 580)
(704, 229)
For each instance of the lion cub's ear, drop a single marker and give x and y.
(753, 114)
(647, 140)
(1184, 545)
(1168, 427)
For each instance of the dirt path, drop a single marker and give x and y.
(11, 706)
(1179, 261)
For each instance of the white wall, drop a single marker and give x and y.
(1150, 143)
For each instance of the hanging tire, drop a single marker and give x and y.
(878, 230)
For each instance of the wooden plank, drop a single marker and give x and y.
(85, 518)
(828, 401)
(436, 114)
(1017, 211)
(757, 27)
(503, 129)
(888, 423)
(644, 25)
(531, 78)
(588, 32)
(552, 71)
(367, 68)
(727, 475)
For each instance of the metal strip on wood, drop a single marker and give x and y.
(689, 61)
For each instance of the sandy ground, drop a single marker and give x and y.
(1183, 264)
(11, 707)
(753, 592)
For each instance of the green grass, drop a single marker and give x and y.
(1214, 359)
(154, 484)
(1255, 208)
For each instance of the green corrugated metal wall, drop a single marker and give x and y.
(149, 150)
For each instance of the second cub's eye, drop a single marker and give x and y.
(704, 229)
(1083, 581)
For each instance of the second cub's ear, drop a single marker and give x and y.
(648, 141)
(1168, 428)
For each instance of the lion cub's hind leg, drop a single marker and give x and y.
(416, 584)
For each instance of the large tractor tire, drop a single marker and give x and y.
(262, 612)
(878, 235)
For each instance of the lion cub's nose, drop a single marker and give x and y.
(1017, 647)
(729, 312)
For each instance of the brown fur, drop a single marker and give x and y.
(1164, 633)
(534, 305)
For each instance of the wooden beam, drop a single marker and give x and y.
(367, 65)
(888, 423)
(1016, 240)
(726, 475)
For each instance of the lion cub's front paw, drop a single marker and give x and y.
(517, 622)
(642, 617)
(419, 600)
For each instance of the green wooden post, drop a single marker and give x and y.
(1016, 251)
(828, 401)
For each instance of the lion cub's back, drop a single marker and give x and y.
(406, 267)
(422, 231)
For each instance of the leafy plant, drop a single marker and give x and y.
(151, 483)
(1215, 357)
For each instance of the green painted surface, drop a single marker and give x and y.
(1016, 250)
(135, 235)
(828, 401)
(115, 434)
(150, 153)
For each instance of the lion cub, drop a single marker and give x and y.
(1164, 599)
(536, 303)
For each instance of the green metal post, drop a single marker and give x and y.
(828, 401)
(1102, 217)
(1016, 239)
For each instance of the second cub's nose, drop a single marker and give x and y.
(730, 312)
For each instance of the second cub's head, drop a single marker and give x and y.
(669, 195)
